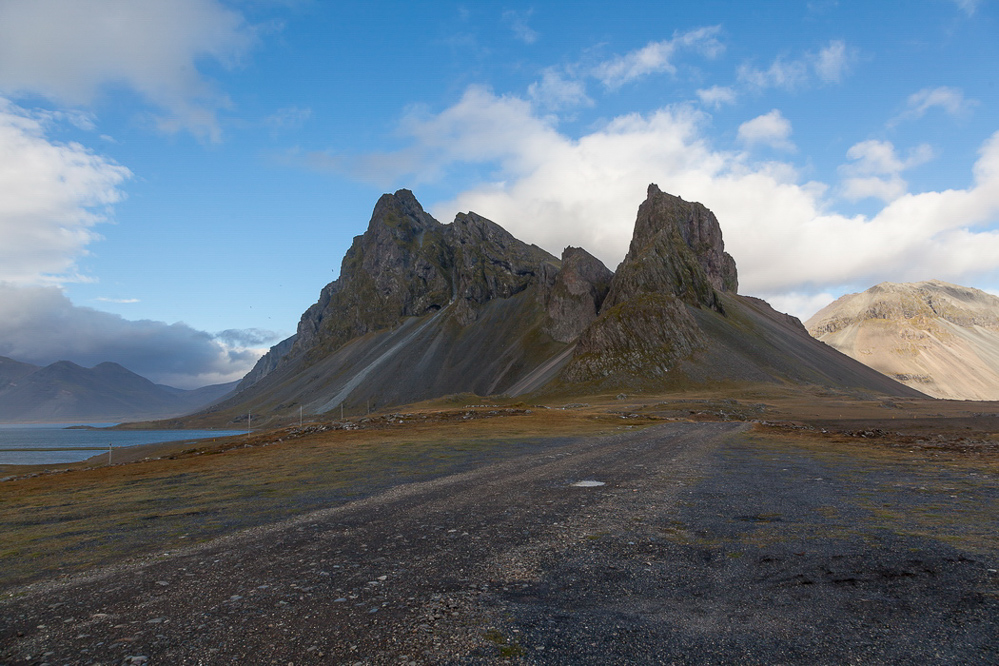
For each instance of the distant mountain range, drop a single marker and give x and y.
(65, 392)
(940, 338)
(423, 309)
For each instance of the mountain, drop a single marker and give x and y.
(65, 392)
(423, 309)
(673, 319)
(940, 338)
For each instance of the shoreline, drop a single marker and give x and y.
(120, 456)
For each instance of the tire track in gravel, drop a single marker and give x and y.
(412, 575)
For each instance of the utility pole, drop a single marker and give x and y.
(110, 447)
(249, 427)
(299, 416)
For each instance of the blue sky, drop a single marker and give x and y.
(180, 178)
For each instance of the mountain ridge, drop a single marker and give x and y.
(937, 337)
(64, 391)
(423, 309)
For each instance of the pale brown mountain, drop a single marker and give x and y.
(940, 338)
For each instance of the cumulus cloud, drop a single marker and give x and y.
(40, 325)
(771, 129)
(717, 96)
(950, 100)
(555, 91)
(876, 170)
(51, 196)
(71, 50)
(555, 190)
(657, 57)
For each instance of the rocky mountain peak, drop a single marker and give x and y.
(676, 249)
(576, 294)
(401, 214)
(407, 264)
(664, 214)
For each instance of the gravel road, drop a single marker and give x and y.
(701, 547)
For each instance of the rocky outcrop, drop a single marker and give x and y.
(267, 363)
(576, 294)
(635, 342)
(677, 248)
(488, 262)
(677, 258)
(407, 264)
(399, 267)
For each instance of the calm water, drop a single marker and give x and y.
(55, 436)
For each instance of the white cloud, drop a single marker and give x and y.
(71, 50)
(781, 74)
(717, 96)
(771, 129)
(830, 65)
(554, 91)
(40, 325)
(832, 62)
(801, 305)
(656, 57)
(556, 190)
(122, 301)
(876, 170)
(51, 196)
(950, 100)
(518, 24)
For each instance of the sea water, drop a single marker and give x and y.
(46, 440)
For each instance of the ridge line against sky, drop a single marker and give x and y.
(180, 178)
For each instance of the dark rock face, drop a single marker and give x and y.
(677, 248)
(488, 262)
(407, 264)
(397, 268)
(266, 363)
(677, 258)
(576, 294)
(635, 341)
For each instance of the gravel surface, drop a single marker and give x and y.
(703, 546)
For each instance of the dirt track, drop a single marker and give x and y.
(704, 546)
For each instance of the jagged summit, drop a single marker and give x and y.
(663, 221)
(423, 309)
(940, 338)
